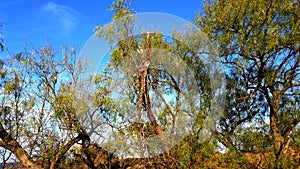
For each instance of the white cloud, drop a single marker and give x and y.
(66, 15)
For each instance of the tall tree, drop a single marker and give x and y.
(259, 41)
(39, 110)
(151, 69)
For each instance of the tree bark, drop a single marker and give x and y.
(60, 155)
(12, 145)
(279, 139)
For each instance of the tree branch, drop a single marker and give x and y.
(287, 131)
(12, 145)
(63, 150)
(2, 144)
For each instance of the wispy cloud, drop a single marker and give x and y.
(66, 15)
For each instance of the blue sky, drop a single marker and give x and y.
(65, 22)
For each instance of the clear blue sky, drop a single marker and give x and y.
(64, 22)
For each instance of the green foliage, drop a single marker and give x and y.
(128, 53)
(258, 42)
(40, 102)
(45, 103)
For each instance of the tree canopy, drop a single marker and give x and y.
(159, 93)
(258, 42)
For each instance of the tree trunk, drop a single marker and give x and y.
(63, 150)
(279, 140)
(24, 158)
(12, 145)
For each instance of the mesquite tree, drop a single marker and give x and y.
(258, 41)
